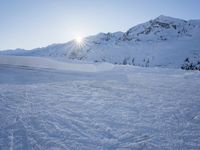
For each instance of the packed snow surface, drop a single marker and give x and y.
(122, 108)
(37, 62)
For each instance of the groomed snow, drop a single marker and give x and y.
(39, 62)
(122, 108)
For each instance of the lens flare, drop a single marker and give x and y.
(79, 43)
(79, 40)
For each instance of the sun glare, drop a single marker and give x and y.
(79, 40)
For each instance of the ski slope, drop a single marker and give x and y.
(122, 108)
(42, 63)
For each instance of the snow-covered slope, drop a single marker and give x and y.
(163, 41)
(126, 108)
(45, 63)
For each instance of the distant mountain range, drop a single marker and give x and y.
(163, 41)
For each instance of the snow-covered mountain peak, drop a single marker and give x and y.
(160, 29)
(167, 19)
(163, 41)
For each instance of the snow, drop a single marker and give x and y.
(124, 107)
(163, 41)
(56, 97)
(37, 62)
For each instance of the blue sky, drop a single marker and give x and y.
(36, 23)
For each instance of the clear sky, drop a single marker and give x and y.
(36, 23)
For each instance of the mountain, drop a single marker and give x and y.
(163, 41)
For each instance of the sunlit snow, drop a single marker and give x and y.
(120, 107)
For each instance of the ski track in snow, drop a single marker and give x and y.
(125, 108)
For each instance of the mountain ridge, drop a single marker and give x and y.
(163, 41)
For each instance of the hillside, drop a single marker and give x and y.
(163, 41)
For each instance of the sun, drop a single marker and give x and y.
(79, 40)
